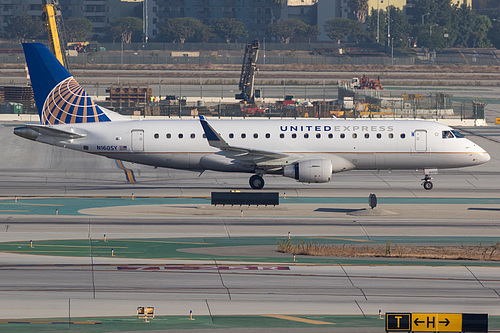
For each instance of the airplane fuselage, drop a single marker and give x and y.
(349, 144)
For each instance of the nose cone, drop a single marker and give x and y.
(482, 157)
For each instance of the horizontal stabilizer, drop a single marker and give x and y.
(51, 131)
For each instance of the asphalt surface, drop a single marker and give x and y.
(464, 203)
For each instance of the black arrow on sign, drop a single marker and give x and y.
(416, 322)
(447, 322)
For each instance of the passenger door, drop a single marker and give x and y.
(420, 141)
(137, 141)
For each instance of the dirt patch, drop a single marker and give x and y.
(460, 252)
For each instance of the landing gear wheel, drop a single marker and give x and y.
(256, 182)
(427, 184)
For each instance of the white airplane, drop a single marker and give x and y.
(308, 150)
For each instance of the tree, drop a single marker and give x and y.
(77, 29)
(308, 32)
(372, 26)
(494, 34)
(481, 24)
(360, 9)
(285, 30)
(182, 28)
(276, 6)
(339, 28)
(229, 29)
(126, 28)
(24, 27)
(400, 29)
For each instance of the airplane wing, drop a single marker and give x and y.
(238, 153)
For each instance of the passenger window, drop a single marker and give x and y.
(447, 135)
(318, 135)
(255, 135)
(282, 135)
(169, 135)
(294, 135)
(391, 135)
(268, 135)
(403, 135)
(367, 135)
(181, 135)
(306, 135)
(156, 135)
(193, 135)
(379, 136)
(342, 135)
(330, 136)
(354, 135)
(231, 135)
(243, 135)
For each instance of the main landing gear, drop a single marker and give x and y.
(256, 182)
(427, 184)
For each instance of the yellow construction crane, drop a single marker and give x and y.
(53, 21)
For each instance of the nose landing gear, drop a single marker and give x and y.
(256, 182)
(427, 184)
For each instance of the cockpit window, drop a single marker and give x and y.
(457, 135)
(447, 135)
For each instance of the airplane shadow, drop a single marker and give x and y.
(335, 210)
(489, 209)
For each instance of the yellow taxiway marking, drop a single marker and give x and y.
(302, 320)
(12, 210)
(349, 239)
(166, 242)
(27, 204)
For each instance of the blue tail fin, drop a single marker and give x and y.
(59, 98)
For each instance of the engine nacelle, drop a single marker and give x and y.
(310, 171)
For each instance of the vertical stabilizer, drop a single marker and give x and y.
(59, 98)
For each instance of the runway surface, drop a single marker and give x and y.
(92, 198)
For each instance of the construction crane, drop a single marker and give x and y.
(248, 72)
(53, 21)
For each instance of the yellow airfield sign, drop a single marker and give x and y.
(436, 322)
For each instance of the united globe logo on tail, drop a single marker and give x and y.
(59, 98)
(68, 103)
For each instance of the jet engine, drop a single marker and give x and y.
(310, 171)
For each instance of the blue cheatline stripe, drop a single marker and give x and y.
(129, 174)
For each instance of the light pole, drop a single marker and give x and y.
(430, 29)
(389, 23)
(378, 21)
(423, 17)
(264, 49)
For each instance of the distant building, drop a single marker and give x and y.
(14, 8)
(328, 9)
(256, 15)
(99, 12)
(383, 4)
(304, 10)
(461, 2)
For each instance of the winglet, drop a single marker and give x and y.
(214, 139)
